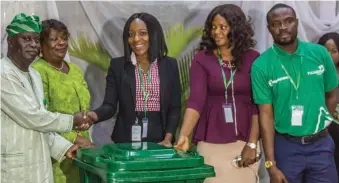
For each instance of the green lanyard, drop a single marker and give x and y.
(226, 84)
(295, 85)
(146, 95)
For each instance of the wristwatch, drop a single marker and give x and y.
(269, 164)
(252, 145)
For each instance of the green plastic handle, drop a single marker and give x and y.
(189, 153)
(103, 158)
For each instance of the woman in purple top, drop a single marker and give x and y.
(220, 106)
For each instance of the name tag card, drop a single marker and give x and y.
(144, 127)
(297, 115)
(227, 108)
(136, 133)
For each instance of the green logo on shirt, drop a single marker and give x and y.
(320, 71)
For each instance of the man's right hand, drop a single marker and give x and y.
(276, 175)
(83, 142)
(71, 152)
(81, 121)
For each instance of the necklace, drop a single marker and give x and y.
(228, 64)
(59, 69)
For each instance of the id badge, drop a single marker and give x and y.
(136, 133)
(144, 127)
(144, 146)
(227, 108)
(297, 115)
(136, 145)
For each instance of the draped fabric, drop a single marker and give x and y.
(99, 24)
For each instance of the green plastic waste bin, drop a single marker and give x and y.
(140, 162)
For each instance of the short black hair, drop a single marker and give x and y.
(51, 24)
(331, 35)
(277, 6)
(157, 45)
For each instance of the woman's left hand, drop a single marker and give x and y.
(248, 156)
(166, 143)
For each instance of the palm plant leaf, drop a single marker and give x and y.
(91, 52)
(177, 38)
(184, 65)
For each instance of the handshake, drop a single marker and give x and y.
(84, 120)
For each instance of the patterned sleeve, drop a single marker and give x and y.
(32, 116)
(58, 146)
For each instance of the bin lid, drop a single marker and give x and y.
(193, 175)
(140, 156)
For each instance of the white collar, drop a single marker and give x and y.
(134, 59)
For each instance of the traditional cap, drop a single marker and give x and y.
(23, 23)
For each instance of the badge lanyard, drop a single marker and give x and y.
(226, 84)
(295, 85)
(146, 95)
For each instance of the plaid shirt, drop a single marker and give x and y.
(153, 103)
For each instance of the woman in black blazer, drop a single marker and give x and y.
(145, 83)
